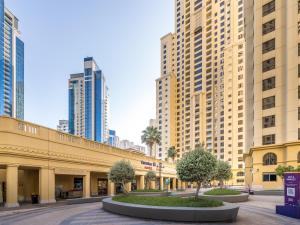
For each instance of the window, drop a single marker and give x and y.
(268, 139)
(298, 70)
(268, 64)
(240, 174)
(268, 8)
(268, 102)
(269, 159)
(268, 121)
(298, 92)
(268, 83)
(298, 133)
(298, 49)
(298, 157)
(268, 46)
(268, 27)
(269, 177)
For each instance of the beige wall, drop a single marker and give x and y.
(44, 158)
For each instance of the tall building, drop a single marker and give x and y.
(206, 59)
(63, 126)
(11, 65)
(273, 66)
(88, 103)
(113, 138)
(165, 97)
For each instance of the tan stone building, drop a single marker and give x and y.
(273, 64)
(55, 165)
(209, 73)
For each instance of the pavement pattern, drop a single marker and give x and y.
(260, 210)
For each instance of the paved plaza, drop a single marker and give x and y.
(258, 211)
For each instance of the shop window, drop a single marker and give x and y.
(269, 177)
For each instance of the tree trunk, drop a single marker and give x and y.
(151, 150)
(198, 189)
(124, 188)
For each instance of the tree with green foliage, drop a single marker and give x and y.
(172, 153)
(122, 173)
(150, 176)
(150, 137)
(196, 166)
(222, 172)
(280, 170)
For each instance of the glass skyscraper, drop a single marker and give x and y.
(88, 103)
(11, 65)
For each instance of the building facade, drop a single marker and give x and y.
(88, 103)
(273, 62)
(11, 65)
(203, 66)
(165, 97)
(63, 126)
(56, 165)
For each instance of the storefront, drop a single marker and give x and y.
(35, 160)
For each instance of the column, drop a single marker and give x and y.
(179, 184)
(161, 180)
(11, 186)
(46, 185)
(141, 182)
(110, 188)
(87, 185)
(183, 185)
(152, 184)
(174, 184)
(128, 186)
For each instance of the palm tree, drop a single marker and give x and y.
(172, 153)
(150, 137)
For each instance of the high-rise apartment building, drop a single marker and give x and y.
(63, 126)
(165, 97)
(88, 103)
(11, 65)
(273, 67)
(206, 59)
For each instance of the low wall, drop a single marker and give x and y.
(228, 212)
(162, 193)
(243, 197)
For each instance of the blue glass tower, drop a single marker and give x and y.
(11, 65)
(88, 102)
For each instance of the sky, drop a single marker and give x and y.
(123, 36)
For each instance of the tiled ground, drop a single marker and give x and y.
(258, 211)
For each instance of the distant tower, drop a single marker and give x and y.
(11, 65)
(88, 103)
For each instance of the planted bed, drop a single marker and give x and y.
(172, 208)
(226, 195)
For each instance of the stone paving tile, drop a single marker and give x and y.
(258, 211)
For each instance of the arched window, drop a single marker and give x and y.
(270, 159)
(240, 174)
(298, 157)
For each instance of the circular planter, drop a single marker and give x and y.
(162, 193)
(243, 197)
(228, 212)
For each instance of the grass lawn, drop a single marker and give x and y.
(168, 201)
(222, 191)
(146, 190)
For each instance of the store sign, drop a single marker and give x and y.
(292, 189)
(152, 165)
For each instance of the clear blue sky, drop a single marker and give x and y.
(122, 35)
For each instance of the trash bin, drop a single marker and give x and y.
(34, 199)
